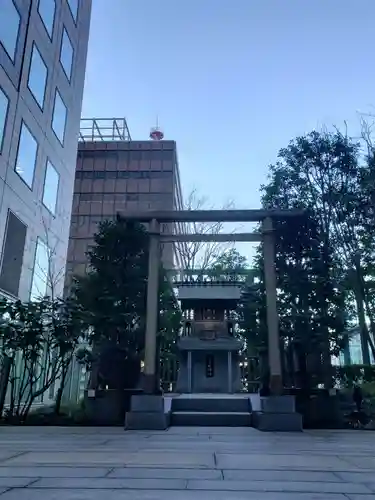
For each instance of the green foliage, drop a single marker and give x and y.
(229, 265)
(113, 292)
(321, 174)
(38, 339)
(113, 297)
(349, 375)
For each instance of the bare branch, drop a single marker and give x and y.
(198, 254)
(367, 125)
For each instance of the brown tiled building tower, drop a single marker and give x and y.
(115, 176)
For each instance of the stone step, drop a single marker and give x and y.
(210, 419)
(211, 405)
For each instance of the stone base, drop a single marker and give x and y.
(147, 413)
(107, 407)
(278, 404)
(277, 422)
(277, 413)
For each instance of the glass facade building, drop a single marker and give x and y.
(43, 49)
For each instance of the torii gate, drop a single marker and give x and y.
(155, 218)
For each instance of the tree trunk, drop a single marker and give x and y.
(4, 379)
(326, 362)
(326, 351)
(302, 374)
(58, 400)
(372, 326)
(95, 367)
(346, 351)
(60, 391)
(360, 298)
(364, 334)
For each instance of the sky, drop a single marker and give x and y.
(231, 81)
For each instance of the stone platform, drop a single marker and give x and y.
(211, 410)
(49, 463)
(275, 413)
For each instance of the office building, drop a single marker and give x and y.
(114, 175)
(43, 48)
(352, 352)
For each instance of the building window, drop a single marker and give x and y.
(37, 77)
(168, 154)
(99, 174)
(4, 106)
(26, 155)
(132, 197)
(40, 272)
(59, 117)
(123, 174)
(51, 187)
(9, 27)
(66, 54)
(73, 6)
(135, 155)
(46, 9)
(13, 249)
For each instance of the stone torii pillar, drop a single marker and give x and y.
(150, 385)
(147, 409)
(276, 383)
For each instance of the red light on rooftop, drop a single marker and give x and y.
(156, 134)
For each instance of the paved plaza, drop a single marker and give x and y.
(40, 463)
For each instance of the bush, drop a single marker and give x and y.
(347, 376)
(72, 414)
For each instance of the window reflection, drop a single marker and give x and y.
(37, 77)
(59, 117)
(51, 186)
(41, 271)
(4, 104)
(73, 6)
(66, 54)
(46, 9)
(124, 174)
(9, 27)
(26, 155)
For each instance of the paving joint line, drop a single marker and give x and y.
(6, 491)
(31, 483)
(3, 460)
(111, 469)
(335, 473)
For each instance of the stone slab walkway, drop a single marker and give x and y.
(181, 463)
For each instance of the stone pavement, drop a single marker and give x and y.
(183, 463)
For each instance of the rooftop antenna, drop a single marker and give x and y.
(156, 133)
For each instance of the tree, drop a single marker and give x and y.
(38, 339)
(112, 294)
(48, 286)
(170, 318)
(113, 298)
(229, 265)
(319, 173)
